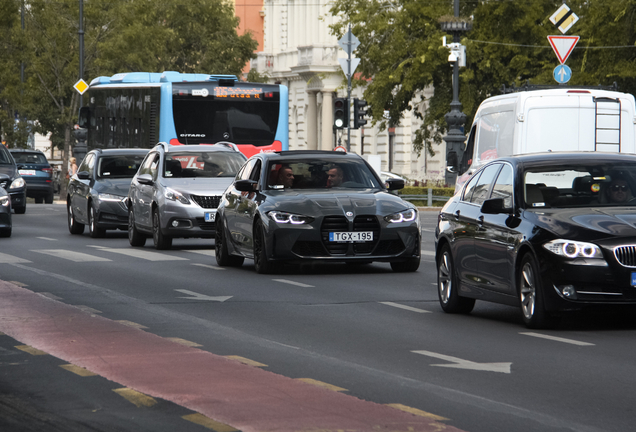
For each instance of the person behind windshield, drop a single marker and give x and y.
(334, 177)
(619, 191)
(285, 176)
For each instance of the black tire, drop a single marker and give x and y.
(261, 264)
(162, 242)
(19, 210)
(530, 291)
(93, 229)
(135, 238)
(411, 265)
(447, 286)
(5, 232)
(49, 198)
(74, 227)
(223, 257)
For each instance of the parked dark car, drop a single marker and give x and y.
(315, 206)
(37, 172)
(97, 193)
(548, 233)
(177, 190)
(14, 184)
(5, 209)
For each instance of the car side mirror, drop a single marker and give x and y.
(394, 184)
(83, 175)
(494, 206)
(245, 185)
(145, 179)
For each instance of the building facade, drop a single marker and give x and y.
(299, 51)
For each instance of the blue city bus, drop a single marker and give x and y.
(141, 109)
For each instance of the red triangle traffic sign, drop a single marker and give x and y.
(563, 46)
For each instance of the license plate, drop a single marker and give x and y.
(210, 216)
(633, 278)
(351, 237)
(27, 172)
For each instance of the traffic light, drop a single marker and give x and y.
(359, 112)
(340, 113)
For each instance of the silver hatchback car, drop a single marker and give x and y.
(176, 192)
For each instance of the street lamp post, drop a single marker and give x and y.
(455, 118)
(80, 134)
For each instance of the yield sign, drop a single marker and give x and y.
(563, 46)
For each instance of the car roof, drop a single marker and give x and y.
(22, 150)
(316, 154)
(564, 158)
(169, 148)
(122, 151)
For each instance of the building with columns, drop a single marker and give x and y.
(299, 52)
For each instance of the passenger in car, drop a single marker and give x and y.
(619, 191)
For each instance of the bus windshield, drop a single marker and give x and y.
(207, 113)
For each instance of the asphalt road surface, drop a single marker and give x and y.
(100, 336)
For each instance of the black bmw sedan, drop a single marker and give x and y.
(315, 205)
(548, 233)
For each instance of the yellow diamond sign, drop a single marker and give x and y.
(81, 86)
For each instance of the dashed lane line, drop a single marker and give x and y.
(557, 339)
(285, 281)
(401, 306)
(31, 350)
(209, 266)
(322, 384)
(10, 259)
(417, 412)
(135, 397)
(245, 361)
(208, 423)
(71, 255)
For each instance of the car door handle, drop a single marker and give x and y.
(456, 214)
(480, 221)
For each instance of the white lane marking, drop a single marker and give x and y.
(429, 253)
(208, 266)
(285, 281)
(409, 308)
(144, 254)
(47, 238)
(10, 259)
(196, 296)
(467, 364)
(557, 339)
(71, 255)
(207, 252)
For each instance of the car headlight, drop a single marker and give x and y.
(574, 249)
(291, 218)
(173, 195)
(5, 201)
(17, 183)
(110, 197)
(404, 216)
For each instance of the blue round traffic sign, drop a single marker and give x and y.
(562, 74)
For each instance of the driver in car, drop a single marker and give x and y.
(334, 177)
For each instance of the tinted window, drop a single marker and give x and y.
(470, 187)
(145, 167)
(123, 166)
(482, 188)
(5, 156)
(84, 164)
(503, 186)
(315, 173)
(203, 164)
(33, 158)
(243, 114)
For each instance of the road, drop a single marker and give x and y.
(376, 340)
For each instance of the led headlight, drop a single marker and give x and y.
(173, 195)
(291, 218)
(5, 201)
(404, 216)
(574, 249)
(110, 197)
(17, 183)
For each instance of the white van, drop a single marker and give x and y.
(560, 119)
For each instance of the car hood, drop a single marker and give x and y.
(200, 185)
(590, 223)
(113, 186)
(9, 170)
(315, 202)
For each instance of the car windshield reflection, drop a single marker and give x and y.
(581, 186)
(321, 174)
(202, 164)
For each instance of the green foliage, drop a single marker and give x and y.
(401, 53)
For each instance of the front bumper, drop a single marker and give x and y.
(112, 215)
(18, 198)
(391, 242)
(186, 221)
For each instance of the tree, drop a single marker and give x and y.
(402, 54)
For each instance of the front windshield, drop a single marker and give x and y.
(581, 186)
(5, 157)
(203, 164)
(123, 166)
(321, 174)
